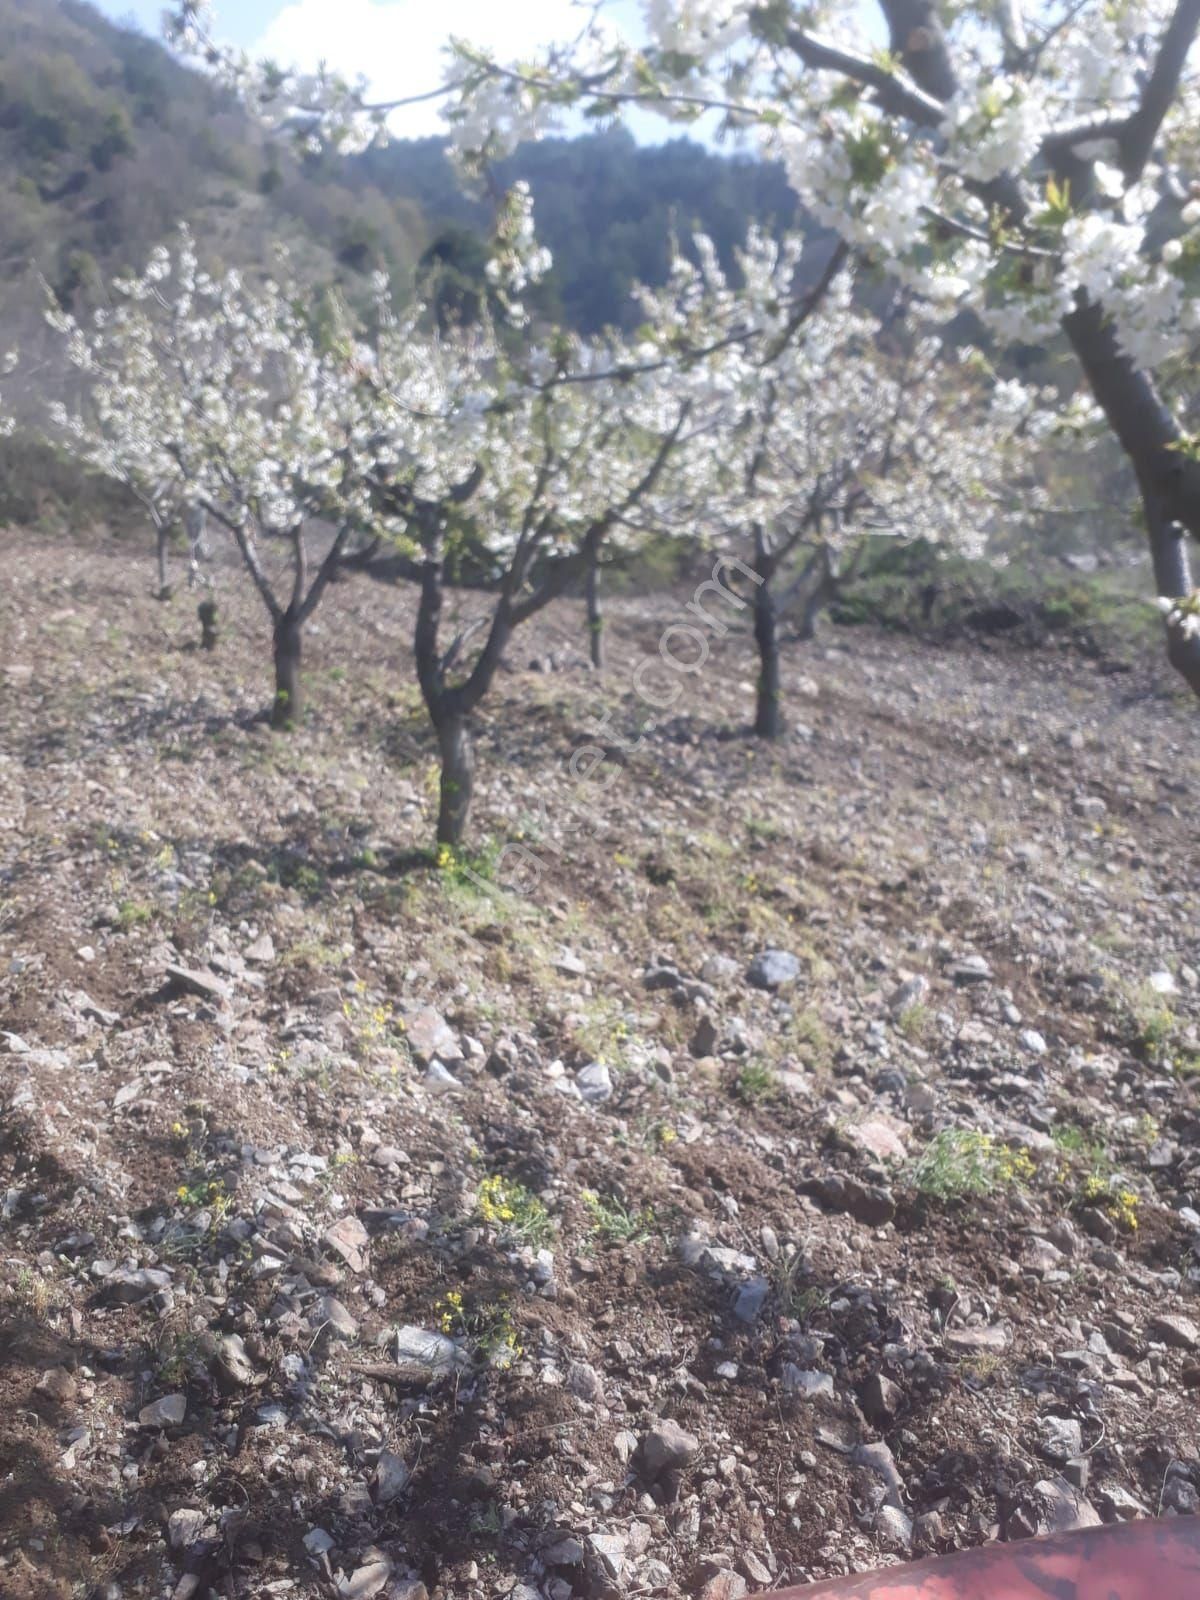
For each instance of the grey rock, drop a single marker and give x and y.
(894, 1527)
(316, 1541)
(976, 1341)
(431, 1037)
(1062, 1438)
(881, 1400)
(720, 969)
(750, 1299)
(724, 1584)
(563, 1553)
(869, 1203)
(391, 1477)
(773, 969)
(1179, 1333)
(365, 1582)
(594, 1082)
(1064, 1507)
(347, 1238)
(439, 1079)
(165, 1413)
(606, 1552)
(584, 1382)
(198, 983)
(333, 1316)
(969, 969)
(705, 1039)
(418, 1348)
(808, 1385)
(127, 1285)
(667, 1446)
(184, 1527)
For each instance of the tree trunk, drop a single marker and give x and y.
(1167, 480)
(595, 621)
(457, 780)
(817, 598)
(768, 719)
(288, 704)
(207, 612)
(164, 583)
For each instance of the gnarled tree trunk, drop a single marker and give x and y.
(595, 621)
(768, 715)
(457, 781)
(163, 544)
(288, 703)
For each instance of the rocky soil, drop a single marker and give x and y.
(798, 1169)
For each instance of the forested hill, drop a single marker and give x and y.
(107, 142)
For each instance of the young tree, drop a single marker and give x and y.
(847, 428)
(538, 464)
(1034, 168)
(207, 395)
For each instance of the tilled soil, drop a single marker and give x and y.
(372, 1221)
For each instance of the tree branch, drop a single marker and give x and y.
(900, 99)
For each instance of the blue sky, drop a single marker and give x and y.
(395, 43)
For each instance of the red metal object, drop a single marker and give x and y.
(1126, 1561)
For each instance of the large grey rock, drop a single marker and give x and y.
(347, 1238)
(184, 1527)
(1180, 1333)
(165, 1413)
(668, 1446)
(127, 1285)
(421, 1349)
(773, 969)
(430, 1036)
(594, 1082)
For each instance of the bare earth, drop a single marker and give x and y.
(329, 1270)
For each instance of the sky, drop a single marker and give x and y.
(395, 43)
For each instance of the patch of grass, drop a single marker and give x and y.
(614, 1223)
(515, 1212)
(134, 914)
(915, 1022)
(960, 1163)
(811, 1040)
(756, 1081)
(795, 1299)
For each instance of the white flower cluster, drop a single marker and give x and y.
(995, 126)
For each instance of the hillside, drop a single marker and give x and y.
(420, 1234)
(107, 142)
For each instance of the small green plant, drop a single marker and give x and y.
(614, 1222)
(133, 914)
(961, 1162)
(373, 1023)
(490, 1328)
(811, 1040)
(755, 1082)
(1153, 1022)
(795, 1299)
(509, 1207)
(469, 869)
(915, 1022)
(1111, 1196)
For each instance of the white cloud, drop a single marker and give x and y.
(397, 44)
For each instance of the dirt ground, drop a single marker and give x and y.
(749, 1164)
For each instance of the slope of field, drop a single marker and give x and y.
(800, 1169)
